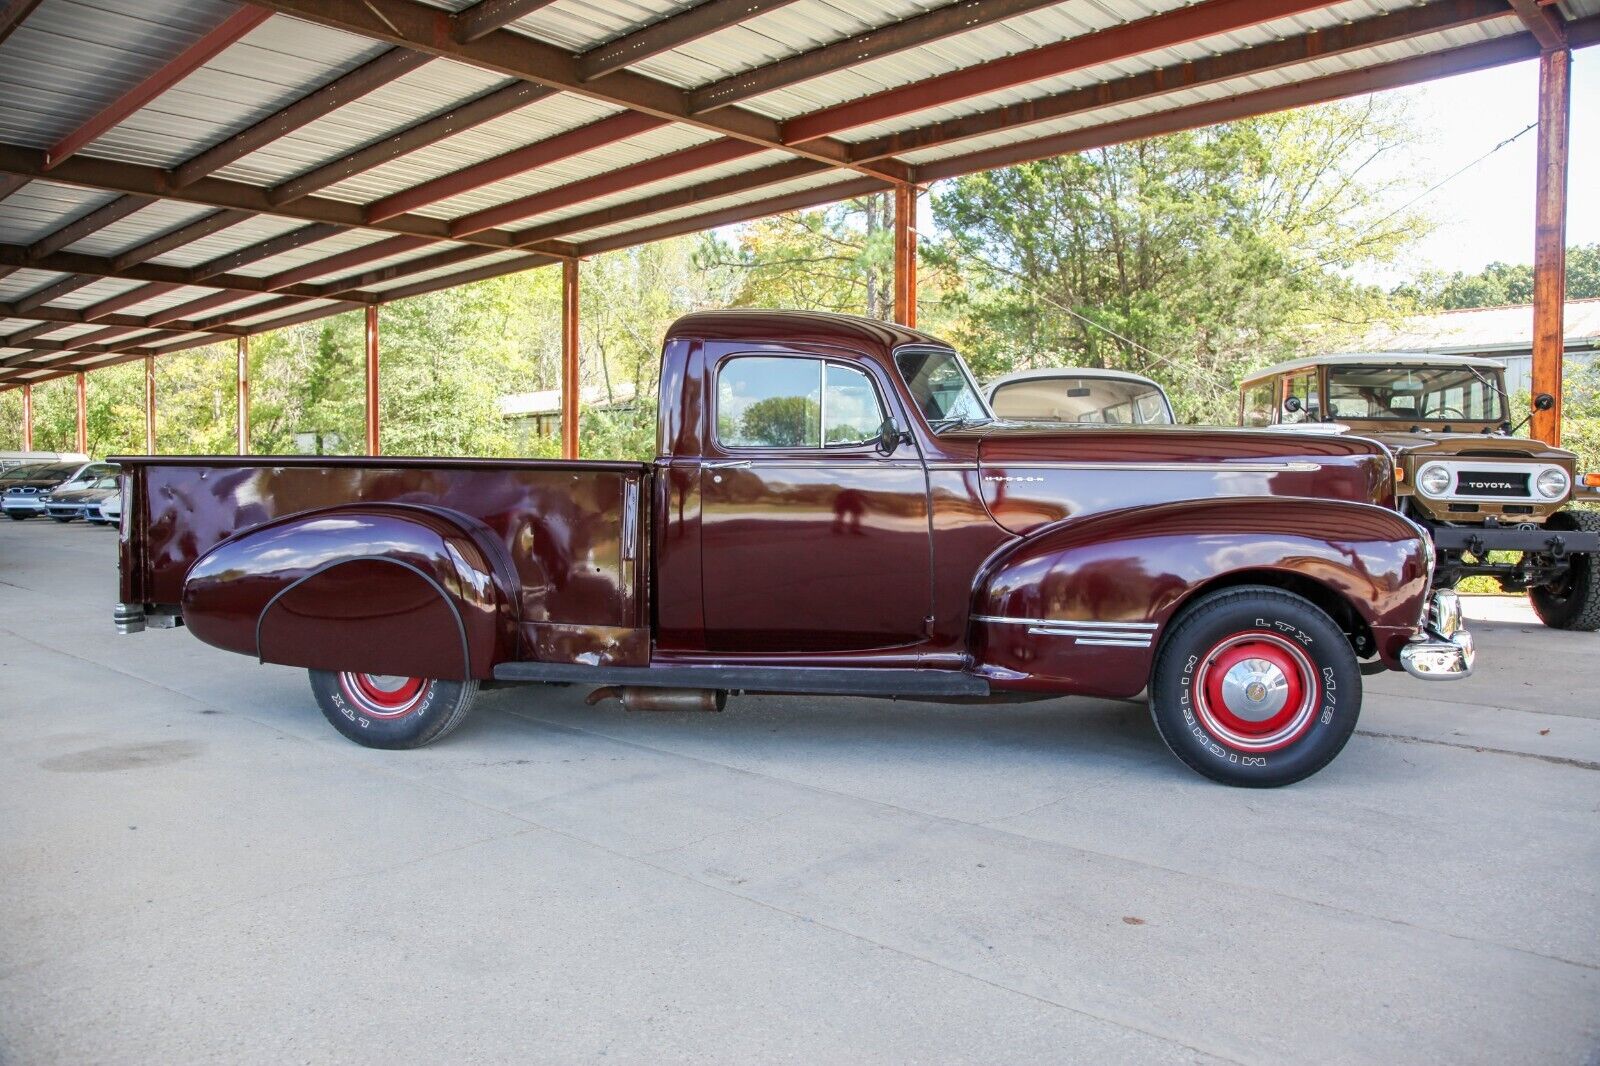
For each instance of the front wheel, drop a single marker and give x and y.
(1574, 601)
(389, 711)
(18, 516)
(1255, 687)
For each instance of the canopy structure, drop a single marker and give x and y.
(175, 173)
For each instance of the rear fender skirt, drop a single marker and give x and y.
(1080, 606)
(373, 588)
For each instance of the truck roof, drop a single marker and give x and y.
(757, 324)
(1368, 358)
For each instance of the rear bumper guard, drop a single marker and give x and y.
(1444, 650)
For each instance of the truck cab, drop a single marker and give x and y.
(1462, 474)
(833, 509)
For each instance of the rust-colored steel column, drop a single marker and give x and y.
(569, 359)
(83, 413)
(905, 255)
(1550, 239)
(242, 392)
(150, 405)
(27, 418)
(372, 379)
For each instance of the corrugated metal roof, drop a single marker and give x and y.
(71, 58)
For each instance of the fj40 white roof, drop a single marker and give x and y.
(1375, 358)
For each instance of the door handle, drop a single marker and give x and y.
(726, 464)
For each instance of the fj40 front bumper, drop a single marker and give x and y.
(1443, 650)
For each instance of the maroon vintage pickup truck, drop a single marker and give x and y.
(833, 510)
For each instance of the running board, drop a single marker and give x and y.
(834, 681)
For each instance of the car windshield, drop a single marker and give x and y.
(942, 386)
(21, 473)
(1416, 393)
(1092, 399)
(105, 483)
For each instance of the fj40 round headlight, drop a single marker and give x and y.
(1433, 480)
(1553, 483)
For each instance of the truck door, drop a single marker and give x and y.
(812, 539)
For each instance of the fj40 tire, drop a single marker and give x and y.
(1574, 601)
(1255, 687)
(384, 711)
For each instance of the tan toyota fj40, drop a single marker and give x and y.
(1462, 473)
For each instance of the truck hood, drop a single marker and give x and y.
(1423, 446)
(1032, 475)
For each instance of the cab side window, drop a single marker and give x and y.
(795, 402)
(1258, 405)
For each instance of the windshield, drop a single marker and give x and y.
(21, 473)
(1416, 393)
(1098, 400)
(943, 388)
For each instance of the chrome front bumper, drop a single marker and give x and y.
(1443, 651)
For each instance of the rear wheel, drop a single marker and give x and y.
(1574, 601)
(390, 711)
(18, 516)
(1255, 687)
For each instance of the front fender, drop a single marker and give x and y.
(1080, 606)
(378, 588)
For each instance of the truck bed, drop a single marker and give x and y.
(566, 536)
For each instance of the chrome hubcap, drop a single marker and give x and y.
(1255, 689)
(386, 682)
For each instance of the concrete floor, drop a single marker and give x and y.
(195, 867)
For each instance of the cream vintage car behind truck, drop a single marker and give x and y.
(1463, 473)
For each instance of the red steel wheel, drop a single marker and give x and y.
(384, 695)
(1256, 692)
(391, 710)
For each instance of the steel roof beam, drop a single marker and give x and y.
(1167, 30)
(486, 16)
(475, 112)
(1544, 22)
(274, 246)
(138, 295)
(1422, 68)
(345, 260)
(93, 222)
(1379, 30)
(61, 317)
(839, 55)
(343, 90)
(169, 74)
(417, 25)
(732, 185)
(27, 333)
(573, 142)
(53, 291)
(10, 183)
(109, 175)
(797, 201)
(671, 165)
(13, 14)
(673, 31)
(90, 268)
(215, 222)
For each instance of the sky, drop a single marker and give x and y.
(1486, 214)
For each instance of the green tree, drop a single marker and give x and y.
(1190, 258)
(1499, 284)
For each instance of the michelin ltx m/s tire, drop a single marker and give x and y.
(389, 711)
(1256, 687)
